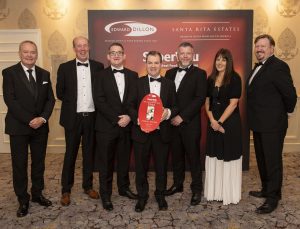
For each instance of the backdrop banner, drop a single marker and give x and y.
(141, 31)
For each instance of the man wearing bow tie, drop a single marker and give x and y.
(113, 124)
(29, 98)
(271, 95)
(156, 141)
(75, 80)
(191, 86)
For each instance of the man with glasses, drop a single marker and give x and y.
(113, 124)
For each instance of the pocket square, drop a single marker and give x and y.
(45, 82)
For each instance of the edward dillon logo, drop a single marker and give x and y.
(134, 28)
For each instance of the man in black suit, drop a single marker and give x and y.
(156, 141)
(113, 124)
(271, 95)
(191, 86)
(75, 80)
(29, 98)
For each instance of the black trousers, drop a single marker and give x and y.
(111, 146)
(84, 128)
(186, 145)
(142, 152)
(19, 153)
(268, 150)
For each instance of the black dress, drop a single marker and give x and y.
(223, 162)
(226, 146)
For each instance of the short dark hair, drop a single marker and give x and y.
(154, 53)
(116, 44)
(186, 44)
(267, 36)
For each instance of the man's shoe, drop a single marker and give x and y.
(92, 194)
(196, 199)
(174, 189)
(107, 204)
(266, 208)
(65, 199)
(258, 194)
(128, 193)
(162, 203)
(41, 200)
(140, 205)
(23, 210)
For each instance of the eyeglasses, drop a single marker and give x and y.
(119, 53)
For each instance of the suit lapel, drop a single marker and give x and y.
(114, 83)
(163, 91)
(39, 80)
(22, 75)
(126, 80)
(146, 85)
(185, 77)
(73, 74)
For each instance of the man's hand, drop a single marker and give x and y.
(176, 121)
(165, 114)
(124, 120)
(36, 122)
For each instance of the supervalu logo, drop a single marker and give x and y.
(134, 28)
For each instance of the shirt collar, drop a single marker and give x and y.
(26, 68)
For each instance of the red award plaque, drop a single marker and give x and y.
(150, 112)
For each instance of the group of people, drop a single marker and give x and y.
(100, 107)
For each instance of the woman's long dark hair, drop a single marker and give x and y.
(226, 54)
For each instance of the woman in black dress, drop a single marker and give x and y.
(223, 165)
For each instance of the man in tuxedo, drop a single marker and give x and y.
(271, 95)
(156, 141)
(29, 98)
(191, 86)
(75, 80)
(113, 124)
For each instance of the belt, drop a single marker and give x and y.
(84, 114)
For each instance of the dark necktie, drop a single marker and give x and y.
(32, 82)
(155, 79)
(120, 71)
(82, 64)
(182, 69)
(258, 64)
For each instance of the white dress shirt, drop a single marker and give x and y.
(255, 72)
(178, 78)
(27, 73)
(85, 101)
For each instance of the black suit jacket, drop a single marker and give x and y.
(270, 96)
(107, 99)
(168, 97)
(66, 89)
(190, 95)
(21, 103)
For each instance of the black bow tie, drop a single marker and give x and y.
(120, 71)
(258, 64)
(82, 64)
(182, 69)
(155, 79)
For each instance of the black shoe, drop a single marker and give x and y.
(140, 205)
(41, 200)
(258, 194)
(162, 203)
(107, 204)
(196, 199)
(128, 193)
(266, 208)
(174, 189)
(23, 210)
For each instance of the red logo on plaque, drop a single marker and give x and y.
(150, 112)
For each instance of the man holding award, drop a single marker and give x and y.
(151, 107)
